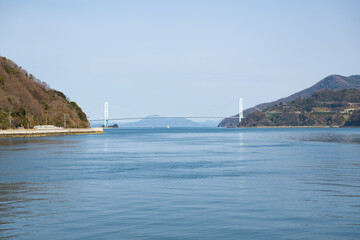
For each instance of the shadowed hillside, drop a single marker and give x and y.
(332, 82)
(26, 101)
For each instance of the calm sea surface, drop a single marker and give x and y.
(182, 184)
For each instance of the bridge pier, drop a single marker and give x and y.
(241, 109)
(106, 114)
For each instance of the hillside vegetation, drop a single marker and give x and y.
(332, 82)
(324, 108)
(26, 101)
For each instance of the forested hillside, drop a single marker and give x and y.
(26, 101)
(324, 108)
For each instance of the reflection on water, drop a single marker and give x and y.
(25, 144)
(182, 184)
(6, 142)
(336, 138)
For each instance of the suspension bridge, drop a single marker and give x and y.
(106, 118)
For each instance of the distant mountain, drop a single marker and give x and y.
(26, 101)
(210, 123)
(161, 123)
(332, 82)
(323, 108)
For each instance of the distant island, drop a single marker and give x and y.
(323, 104)
(161, 123)
(115, 125)
(26, 101)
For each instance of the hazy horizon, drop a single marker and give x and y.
(181, 58)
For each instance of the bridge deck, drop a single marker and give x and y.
(156, 117)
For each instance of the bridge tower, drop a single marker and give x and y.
(106, 114)
(241, 109)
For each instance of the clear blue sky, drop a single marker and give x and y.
(180, 57)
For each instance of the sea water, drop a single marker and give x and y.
(185, 183)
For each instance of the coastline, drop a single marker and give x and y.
(289, 127)
(18, 133)
(295, 127)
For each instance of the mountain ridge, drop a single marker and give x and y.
(331, 108)
(331, 82)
